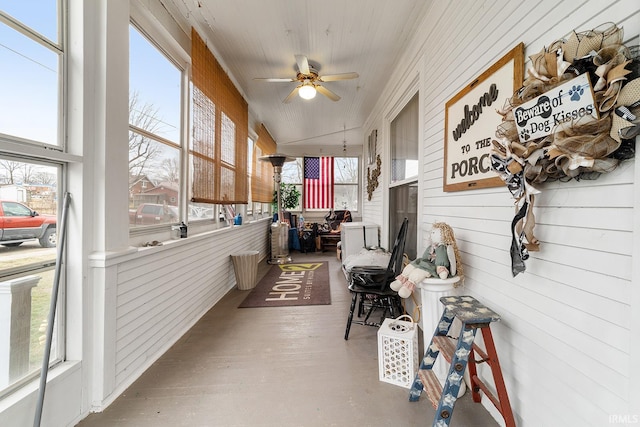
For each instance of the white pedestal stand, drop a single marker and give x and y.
(431, 290)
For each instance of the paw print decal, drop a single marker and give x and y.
(524, 135)
(576, 92)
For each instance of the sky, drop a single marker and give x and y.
(157, 82)
(29, 76)
(28, 72)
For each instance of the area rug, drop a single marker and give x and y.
(291, 284)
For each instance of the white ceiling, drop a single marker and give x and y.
(259, 38)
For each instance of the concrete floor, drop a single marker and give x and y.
(285, 366)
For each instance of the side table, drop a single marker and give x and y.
(329, 240)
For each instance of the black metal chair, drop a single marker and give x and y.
(370, 285)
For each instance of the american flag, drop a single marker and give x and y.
(318, 182)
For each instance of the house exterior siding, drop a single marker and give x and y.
(565, 340)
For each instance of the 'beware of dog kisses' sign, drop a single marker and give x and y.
(570, 101)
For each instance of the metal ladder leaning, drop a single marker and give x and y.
(474, 316)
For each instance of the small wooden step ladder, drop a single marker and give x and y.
(474, 316)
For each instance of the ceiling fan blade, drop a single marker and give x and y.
(326, 92)
(291, 95)
(303, 64)
(336, 77)
(277, 80)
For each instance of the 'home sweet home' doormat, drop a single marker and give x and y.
(291, 284)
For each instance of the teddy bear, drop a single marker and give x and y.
(440, 259)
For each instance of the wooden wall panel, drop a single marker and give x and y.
(564, 340)
(163, 291)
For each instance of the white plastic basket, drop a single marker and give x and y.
(398, 351)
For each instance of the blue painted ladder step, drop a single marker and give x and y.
(459, 353)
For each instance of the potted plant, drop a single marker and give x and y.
(289, 196)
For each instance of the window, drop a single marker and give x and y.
(262, 184)
(154, 133)
(44, 22)
(220, 130)
(31, 87)
(254, 208)
(404, 143)
(29, 196)
(345, 182)
(292, 176)
(346, 190)
(403, 191)
(218, 150)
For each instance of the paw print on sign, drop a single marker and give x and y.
(576, 92)
(524, 135)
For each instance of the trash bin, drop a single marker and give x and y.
(245, 264)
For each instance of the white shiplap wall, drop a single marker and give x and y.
(564, 339)
(162, 291)
(372, 210)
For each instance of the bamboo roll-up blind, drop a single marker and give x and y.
(262, 185)
(220, 131)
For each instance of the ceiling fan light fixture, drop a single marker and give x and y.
(307, 91)
(308, 81)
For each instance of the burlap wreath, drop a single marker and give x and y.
(584, 149)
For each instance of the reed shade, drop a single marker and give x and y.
(262, 184)
(220, 131)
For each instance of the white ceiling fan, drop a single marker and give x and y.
(309, 81)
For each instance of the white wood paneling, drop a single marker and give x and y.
(254, 39)
(565, 337)
(162, 291)
(372, 210)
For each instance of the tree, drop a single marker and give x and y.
(292, 171)
(170, 170)
(45, 178)
(346, 170)
(28, 173)
(12, 169)
(142, 149)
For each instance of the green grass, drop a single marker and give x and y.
(40, 304)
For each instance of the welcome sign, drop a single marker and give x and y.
(570, 101)
(471, 119)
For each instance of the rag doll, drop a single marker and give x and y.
(440, 259)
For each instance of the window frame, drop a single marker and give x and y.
(355, 184)
(58, 48)
(180, 145)
(300, 185)
(25, 150)
(403, 118)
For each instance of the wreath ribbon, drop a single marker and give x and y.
(579, 149)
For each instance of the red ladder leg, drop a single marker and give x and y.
(502, 401)
(473, 373)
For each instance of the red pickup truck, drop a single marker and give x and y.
(19, 223)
